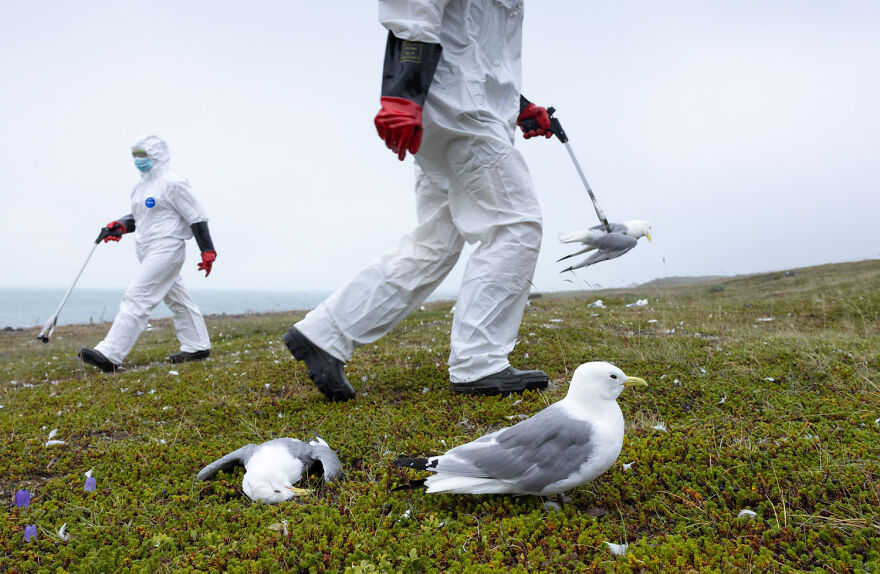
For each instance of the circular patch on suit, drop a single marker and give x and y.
(150, 202)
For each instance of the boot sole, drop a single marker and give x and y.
(302, 350)
(197, 356)
(87, 359)
(498, 387)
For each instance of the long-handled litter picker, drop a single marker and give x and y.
(49, 327)
(556, 128)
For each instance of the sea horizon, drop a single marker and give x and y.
(26, 308)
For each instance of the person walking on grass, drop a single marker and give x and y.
(164, 214)
(451, 98)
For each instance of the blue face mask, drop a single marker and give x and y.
(144, 164)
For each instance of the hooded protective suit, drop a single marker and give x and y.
(471, 185)
(163, 208)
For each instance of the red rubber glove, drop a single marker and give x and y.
(208, 258)
(539, 114)
(117, 229)
(399, 123)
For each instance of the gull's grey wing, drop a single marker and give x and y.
(532, 454)
(329, 462)
(610, 246)
(615, 227)
(235, 458)
(310, 454)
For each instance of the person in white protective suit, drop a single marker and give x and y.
(164, 214)
(451, 97)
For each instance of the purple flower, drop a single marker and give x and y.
(30, 532)
(22, 498)
(91, 483)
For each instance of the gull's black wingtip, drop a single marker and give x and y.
(419, 463)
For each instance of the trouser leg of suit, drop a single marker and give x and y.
(385, 292)
(495, 205)
(159, 268)
(188, 321)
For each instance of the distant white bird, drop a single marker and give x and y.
(623, 237)
(272, 468)
(567, 444)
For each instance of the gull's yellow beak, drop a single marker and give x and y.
(299, 491)
(648, 235)
(635, 382)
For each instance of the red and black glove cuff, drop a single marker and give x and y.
(409, 69)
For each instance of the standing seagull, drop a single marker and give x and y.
(623, 237)
(272, 468)
(567, 444)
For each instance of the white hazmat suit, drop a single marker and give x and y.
(163, 207)
(471, 186)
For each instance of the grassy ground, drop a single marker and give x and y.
(780, 417)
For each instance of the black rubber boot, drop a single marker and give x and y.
(325, 370)
(509, 380)
(97, 359)
(187, 356)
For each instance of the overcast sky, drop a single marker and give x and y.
(747, 132)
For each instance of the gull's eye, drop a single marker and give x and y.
(614, 376)
(277, 492)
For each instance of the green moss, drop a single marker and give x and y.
(800, 450)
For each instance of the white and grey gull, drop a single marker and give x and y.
(273, 467)
(566, 445)
(607, 245)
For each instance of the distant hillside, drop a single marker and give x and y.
(679, 281)
(774, 283)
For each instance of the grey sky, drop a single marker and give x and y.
(746, 132)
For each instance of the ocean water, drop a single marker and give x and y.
(33, 307)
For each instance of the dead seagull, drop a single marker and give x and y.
(567, 444)
(272, 468)
(623, 237)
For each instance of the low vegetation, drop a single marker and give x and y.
(764, 397)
